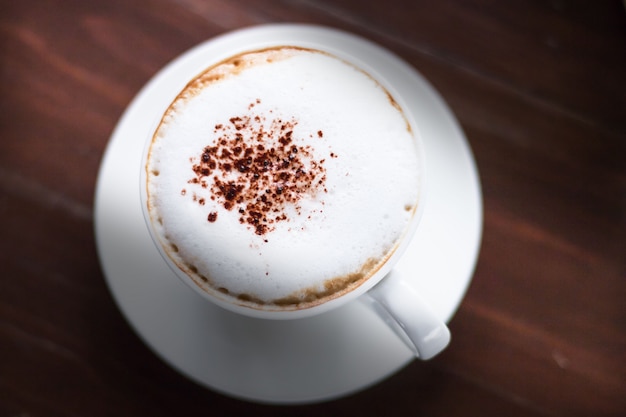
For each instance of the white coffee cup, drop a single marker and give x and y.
(391, 296)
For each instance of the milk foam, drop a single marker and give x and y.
(341, 192)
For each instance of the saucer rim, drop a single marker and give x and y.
(105, 198)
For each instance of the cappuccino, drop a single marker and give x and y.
(282, 178)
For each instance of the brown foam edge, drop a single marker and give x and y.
(302, 299)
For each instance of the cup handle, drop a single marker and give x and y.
(402, 308)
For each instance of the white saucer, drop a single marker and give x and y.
(296, 361)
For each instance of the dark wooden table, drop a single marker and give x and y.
(539, 88)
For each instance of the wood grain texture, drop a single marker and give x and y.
(536, 85)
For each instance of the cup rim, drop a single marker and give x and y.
(392, 259)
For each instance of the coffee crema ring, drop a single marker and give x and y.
(282, 178)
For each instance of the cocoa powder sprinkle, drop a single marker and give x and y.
(258, 167)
